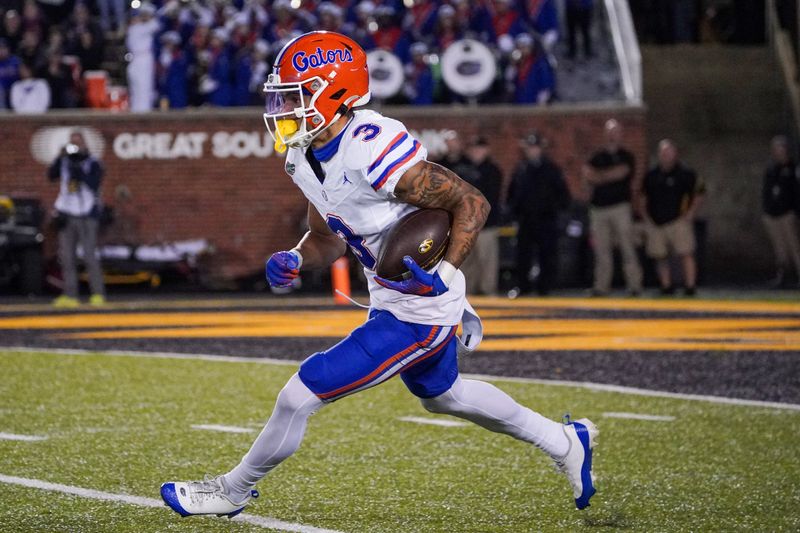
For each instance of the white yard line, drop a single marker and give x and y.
(604, 387)
(26, 438)
(433, 421)
(637, 416)
(224, 429)
(600, 387)
(92, 494)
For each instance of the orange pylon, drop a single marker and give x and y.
(340, 279)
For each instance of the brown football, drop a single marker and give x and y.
(423, 234)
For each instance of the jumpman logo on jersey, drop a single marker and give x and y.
(346, 180)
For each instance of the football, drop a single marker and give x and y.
(423, 235)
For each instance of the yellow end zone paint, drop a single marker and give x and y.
(532, 331)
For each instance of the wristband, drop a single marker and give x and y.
(446, 272)
(299, 256)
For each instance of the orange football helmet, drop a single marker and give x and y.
(316, 79)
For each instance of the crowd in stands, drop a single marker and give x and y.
(215, 52)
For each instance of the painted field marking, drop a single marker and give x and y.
(621, 389)
(599, 387)
(26, 438)
(433, 421)
(224, 429)
(637, 416)
(92, 494)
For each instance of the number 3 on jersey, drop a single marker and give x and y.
(356, 242)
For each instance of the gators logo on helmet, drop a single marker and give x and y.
(316, 79)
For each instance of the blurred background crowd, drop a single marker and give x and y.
(182, 53)
(213, 52)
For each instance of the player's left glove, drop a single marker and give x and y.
(421, 283)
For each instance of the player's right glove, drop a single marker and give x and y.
(283, 268)
(421, 283)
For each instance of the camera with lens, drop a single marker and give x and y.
(74, 153)
(75, 158)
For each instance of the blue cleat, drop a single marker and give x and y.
(205, 497)
(577, 464)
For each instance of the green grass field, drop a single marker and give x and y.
(123, 425)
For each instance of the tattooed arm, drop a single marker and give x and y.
(427, 184)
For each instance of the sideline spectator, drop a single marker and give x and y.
(672, 194)
(9, 71)
(543, 17)
(260, 70)
(418, 86)
(33, 19)
(12, 29)
(141, 69)
(219, 84)
(579, 18)
(505, 20)
(454, 158)
(29, 94)
(30, 49)
(84, 38)
(780, 198)
(447, 30)
(173, 72)
(610, 173)
(481, 268)
(118, 7)
(538, 192)
(79, 175)
(58, 76)
(532, 78)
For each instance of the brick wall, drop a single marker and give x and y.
(212, 174)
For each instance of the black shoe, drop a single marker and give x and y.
(689, 291)
(668, 291)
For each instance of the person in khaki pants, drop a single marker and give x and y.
(780, 198)
(481, 268)
(610, 173)
(672, 193)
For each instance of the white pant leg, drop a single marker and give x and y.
(279, 439)
(489, 407)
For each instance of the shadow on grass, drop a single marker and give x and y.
(606, 517)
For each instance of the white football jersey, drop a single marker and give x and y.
(357, 201)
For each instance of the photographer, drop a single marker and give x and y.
(77, 213)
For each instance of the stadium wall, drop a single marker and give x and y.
(213, 174)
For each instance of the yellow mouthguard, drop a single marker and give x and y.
(285, 128)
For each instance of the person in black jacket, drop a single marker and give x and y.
(780, 198)
(77, 206)
(538, 192)
(481, 268)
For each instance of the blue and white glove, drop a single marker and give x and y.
(283, 268)
(421, 283)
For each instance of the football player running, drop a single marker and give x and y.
(361, 172)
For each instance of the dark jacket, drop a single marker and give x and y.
(537, 190)
(780, 191)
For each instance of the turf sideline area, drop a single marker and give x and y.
(600, 387)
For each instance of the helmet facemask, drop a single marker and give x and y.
(290, 102)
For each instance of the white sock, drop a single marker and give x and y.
(493, 409)
(279, 439)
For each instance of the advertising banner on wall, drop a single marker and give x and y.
(216, 176)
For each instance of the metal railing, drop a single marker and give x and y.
(626, 46)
